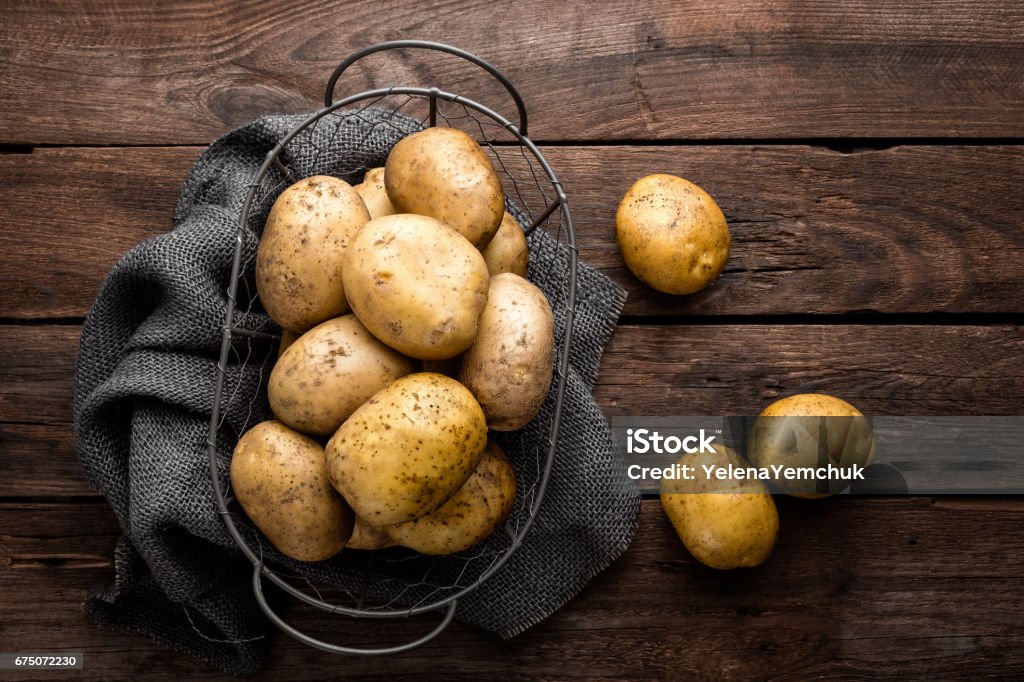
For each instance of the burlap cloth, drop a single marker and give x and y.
(143, 397)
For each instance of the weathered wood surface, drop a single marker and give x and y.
(871, 586)
(127, 72)
(829, 134)
(647, 370)
(905, 230)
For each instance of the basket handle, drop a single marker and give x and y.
(428, 45)
(257, 589)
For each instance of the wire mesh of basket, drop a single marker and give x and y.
(395, 583)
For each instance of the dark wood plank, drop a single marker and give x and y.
(647, 370)
(131, 72)
(37, 371)
(910, 229)
(883, 370)
(855, 587)
(73, 212)
(39, 460)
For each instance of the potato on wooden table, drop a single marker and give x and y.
(725, 523)
(672, 234)
(811, 430)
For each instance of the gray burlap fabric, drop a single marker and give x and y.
(144, 393)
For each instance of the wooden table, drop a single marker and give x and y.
(868, 158)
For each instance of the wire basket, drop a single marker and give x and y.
(395, 583)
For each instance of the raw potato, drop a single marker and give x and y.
(443, 173)
(330, 371)
(732, 528)
(407, 449)
(508, 251)
(788, 433)
(469, 516)
(298, 264)
(280, 479)
(508, 368)
(417, 284)
(365, 536)
(672, 235)
(374, 195)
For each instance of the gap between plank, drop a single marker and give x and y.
(840, 145)
(853, 317)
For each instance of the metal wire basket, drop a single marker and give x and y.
(393, 584)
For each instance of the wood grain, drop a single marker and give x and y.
(883, 370)
(909, 229)
(855, 587)
(647, 370)
(130, 72)
(913, 229)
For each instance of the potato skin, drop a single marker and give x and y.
(508, 251)
(811, 405)
(416, 284)
(330, 371)
(374, 194)
(672, 234)
(407, 449)
(298, 263)
(365, 536)
(476, 509)
(508, 368)
(774, 439)
(280, 478)
(443, 173)
(735, 527)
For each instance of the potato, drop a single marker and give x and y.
(407, 449)
(365, 536)
(507, 251)
(789, 433)
(298, 264)
(280, 479)
(443, 173)
(470, 515)
(734, 527)
(416, 284)
(330, 371)
(374, 195)
(508, 368)
(672, 235)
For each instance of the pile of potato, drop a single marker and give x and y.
(410, 331)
